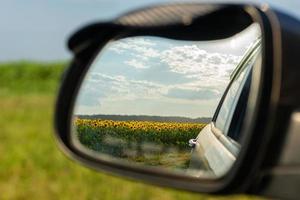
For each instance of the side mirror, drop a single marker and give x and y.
(177, 95)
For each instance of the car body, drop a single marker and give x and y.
(217, 146)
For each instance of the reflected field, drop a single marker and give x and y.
(147, 142)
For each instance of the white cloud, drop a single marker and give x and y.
(139, 49)
(189, 60)
(136, 64)
(208, 70)
(192, 60)
(135, 46)
(141, 41)
(117, 88)
(207, 73)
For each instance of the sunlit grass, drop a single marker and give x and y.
(31, 165)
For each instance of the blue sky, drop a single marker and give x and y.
(157, 76)
(38, 29)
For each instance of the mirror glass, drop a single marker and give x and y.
(170, 105)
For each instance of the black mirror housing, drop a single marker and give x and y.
(201, 22)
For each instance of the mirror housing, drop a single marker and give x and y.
(201, 21)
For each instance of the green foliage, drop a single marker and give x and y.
(24, 77)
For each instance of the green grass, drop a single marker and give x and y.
(24, 77)
(32, 166)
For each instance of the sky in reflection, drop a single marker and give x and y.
(158, 76)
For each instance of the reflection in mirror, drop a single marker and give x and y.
(171, 104)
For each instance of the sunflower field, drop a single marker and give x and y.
(149, 142)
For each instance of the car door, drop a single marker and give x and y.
(216, 147)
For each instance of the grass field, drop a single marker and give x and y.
(32, 167)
